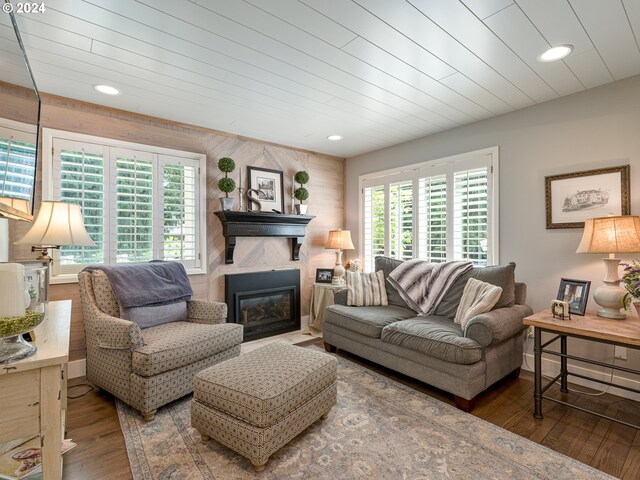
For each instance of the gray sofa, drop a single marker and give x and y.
(434, 349)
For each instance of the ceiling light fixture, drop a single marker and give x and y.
(334, 138)
(106, 89)
(555, 53)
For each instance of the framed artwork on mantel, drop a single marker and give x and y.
(572, 198)
(269, 184)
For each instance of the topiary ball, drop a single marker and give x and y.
(302, 177)
(301, 194)
(226, 165)
(227, 185)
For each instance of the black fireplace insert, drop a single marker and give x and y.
(265, 303)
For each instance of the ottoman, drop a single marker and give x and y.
(258, 402)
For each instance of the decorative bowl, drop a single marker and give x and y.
(12, 345)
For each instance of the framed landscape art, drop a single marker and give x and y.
(269, 184)
(572, 198)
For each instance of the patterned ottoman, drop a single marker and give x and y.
(258, 402)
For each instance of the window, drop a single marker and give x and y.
(17, 159)
(438, 211)
(139, 202)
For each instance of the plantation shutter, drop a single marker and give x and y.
(79, 178)
(470, 219)
(132, 217)
(180, 229)
(17, 162)
(401, 220)
(432, 218)
(374, 230)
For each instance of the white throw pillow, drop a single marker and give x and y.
(366, 289)
(478, 297)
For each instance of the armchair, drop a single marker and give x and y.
(148, 368)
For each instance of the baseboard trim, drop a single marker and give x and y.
(551, 368)
(77, 368)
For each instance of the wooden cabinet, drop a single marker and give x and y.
(33, 391)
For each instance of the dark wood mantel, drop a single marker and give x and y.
(262, 224)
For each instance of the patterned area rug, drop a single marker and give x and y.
(380, 429)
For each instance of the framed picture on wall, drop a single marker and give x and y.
(572, 198)
(575, 293)
(269, 184)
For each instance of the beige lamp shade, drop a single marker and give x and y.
(58, 224)
(340, 239)
(15, 208)
(611, 235)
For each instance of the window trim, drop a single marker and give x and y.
(48, 136)
(433, 167)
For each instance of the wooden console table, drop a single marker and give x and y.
(33, 391)
(624, 333)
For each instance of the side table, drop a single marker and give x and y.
(322, 296)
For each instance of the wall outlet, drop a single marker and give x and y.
(620, 353)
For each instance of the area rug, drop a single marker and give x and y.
(380, 429)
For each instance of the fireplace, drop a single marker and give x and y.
(265, 303)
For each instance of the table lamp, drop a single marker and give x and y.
(15, 208)
(57, 224)
(611, 235)
(339, 240)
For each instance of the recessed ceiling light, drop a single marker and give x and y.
(334, 138)
(107, 89)
(555, 53)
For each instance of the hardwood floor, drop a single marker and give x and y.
(608, 446)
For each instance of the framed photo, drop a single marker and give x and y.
(575, 293)
(324, 275)
(269, 184)
(572, 198)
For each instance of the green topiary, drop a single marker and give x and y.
(227, 185)
(226, 165)
(302, 177)
(301, 194)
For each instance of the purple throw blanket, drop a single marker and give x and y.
(145, 284)
(423, 285)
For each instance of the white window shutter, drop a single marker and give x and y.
(432, 218)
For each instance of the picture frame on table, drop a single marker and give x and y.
(575, 293)
(324, 275)
(572, 198)
(270, 186)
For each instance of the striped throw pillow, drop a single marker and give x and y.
(366, 289)
(478, 297)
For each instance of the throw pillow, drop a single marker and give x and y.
(478, 297)
(154, 315)
(366, 289)
(388, 265)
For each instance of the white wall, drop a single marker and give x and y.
(593, 129)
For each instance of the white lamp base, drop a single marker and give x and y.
(338, 269)
(610, 295)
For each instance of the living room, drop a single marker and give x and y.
(379, 104)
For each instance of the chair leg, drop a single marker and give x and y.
(259, 467)
(329, 348)
(148, 416)
(464, 404)
(514, 375)
(204, 437)
(326, 415)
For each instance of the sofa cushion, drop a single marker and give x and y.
(502, 276)
(366, 289)
(388, 265)
(437, 337)
(478, 297)
(174, 345)
(367, 321)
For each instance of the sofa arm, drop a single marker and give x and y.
(114, 333)
(497, 325)
(200, 311)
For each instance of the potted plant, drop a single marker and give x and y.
(301, 193)
(226, 184)
(631, 281)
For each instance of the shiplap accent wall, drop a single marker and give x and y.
(251, 254)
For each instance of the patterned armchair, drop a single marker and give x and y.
(148, 368)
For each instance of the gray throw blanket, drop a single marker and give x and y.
(145, 284)
(423, 285)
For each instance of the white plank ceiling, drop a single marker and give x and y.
(377, 72)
